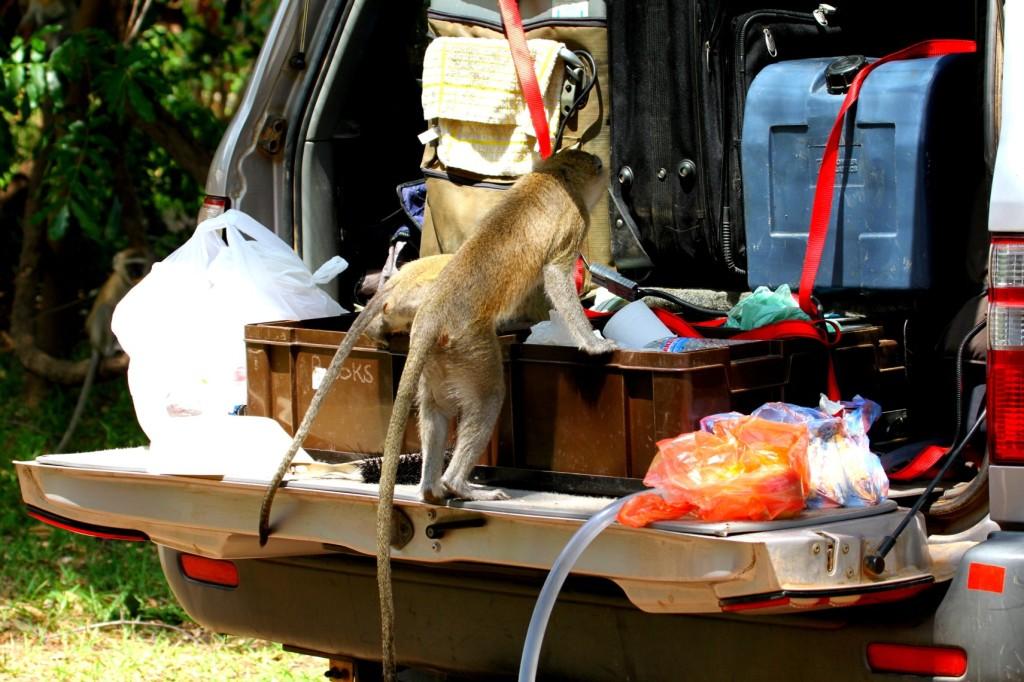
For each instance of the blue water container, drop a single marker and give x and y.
(896, 208)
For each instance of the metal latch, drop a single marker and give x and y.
(271, 138)
(769, 42)
(574, 75)
(821, 14)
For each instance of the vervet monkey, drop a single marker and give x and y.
(530, 238)
(389, 311)
(129, 266)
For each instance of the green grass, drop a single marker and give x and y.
(135, 654)
(68, 575)
(58, 591)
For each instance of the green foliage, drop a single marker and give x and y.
(67, 575)
(74, 100)
(79, 181)
(57, 588)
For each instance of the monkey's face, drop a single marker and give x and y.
(580, 171)
(137, 268)
(133, 264)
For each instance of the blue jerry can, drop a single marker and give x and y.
(906, 150)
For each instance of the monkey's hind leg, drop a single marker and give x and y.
(434, 422)
(481, 385)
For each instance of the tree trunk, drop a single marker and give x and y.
(40, 340)
(177, 140)
(25, 308)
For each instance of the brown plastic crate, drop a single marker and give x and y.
(603, 416)
(864, 361)
(281, 359)
(564, 411)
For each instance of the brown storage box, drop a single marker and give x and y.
(283, 360)
(564, 411)
(604, 416)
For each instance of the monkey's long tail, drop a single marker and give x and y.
(371, 311)
(83, 396)
(418, 351)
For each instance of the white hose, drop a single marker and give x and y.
(556, 578)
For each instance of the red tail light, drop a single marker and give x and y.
(211, 571)
(1006, 351)
(928, 661)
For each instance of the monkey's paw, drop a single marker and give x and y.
(432, 494)
(600, 347)
(467, 491)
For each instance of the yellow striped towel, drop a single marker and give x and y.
(470, 89)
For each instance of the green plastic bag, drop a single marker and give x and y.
(765, 307)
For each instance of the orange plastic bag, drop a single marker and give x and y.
(747, 469)
(642, 510)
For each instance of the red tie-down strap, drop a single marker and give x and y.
(787, 329)
(921, 464)
(526, 73)
(579, 275)
(821, 211)
(676, 324)
(816, 330)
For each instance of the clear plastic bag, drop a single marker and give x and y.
(551, 332)
(844, 471)
(182, 326)
(738, 467)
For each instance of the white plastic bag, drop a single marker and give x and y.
(553, 332)
(182, 326)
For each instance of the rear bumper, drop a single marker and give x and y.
(471, 620)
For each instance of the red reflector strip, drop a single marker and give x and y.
(937, 661)
(88, 529)
(755, 605)
(986, 578)
(212, 571)
(211, 200)
(898, 594)
(811, 599)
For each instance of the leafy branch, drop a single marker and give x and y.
(116, 110)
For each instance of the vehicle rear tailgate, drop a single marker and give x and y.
(680, 567)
